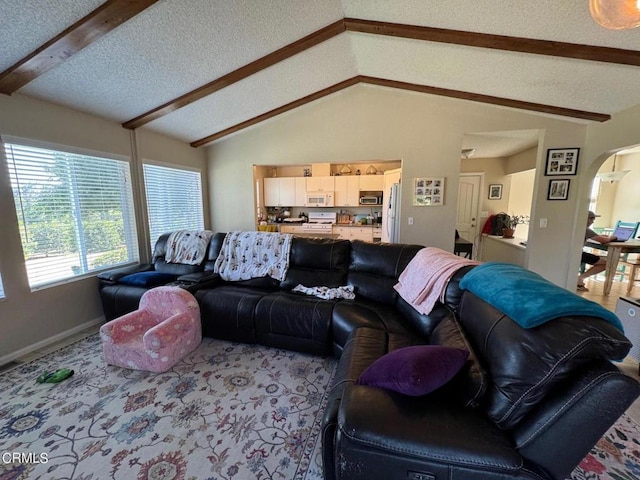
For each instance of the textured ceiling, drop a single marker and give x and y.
(174, 47)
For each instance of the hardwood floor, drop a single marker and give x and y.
(618, 289)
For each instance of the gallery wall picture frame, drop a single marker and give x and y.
(562, 161)
(428, 192)
(495, 191)
(558, 189)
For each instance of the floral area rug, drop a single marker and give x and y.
(227, 411)
(616, 456)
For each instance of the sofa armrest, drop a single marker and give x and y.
(198, 277)
(421, 434)
(112, 276)
(575, 417)
(192, 282)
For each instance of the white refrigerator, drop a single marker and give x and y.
(391, 214)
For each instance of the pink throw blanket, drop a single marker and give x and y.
(425, 279)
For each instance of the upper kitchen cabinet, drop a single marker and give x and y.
(371, 182)
(301, 192)
(280, 191)
(320, 184)
(347, 191)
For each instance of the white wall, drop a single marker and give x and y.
(425, 131)
(28, 318)
(521, 197)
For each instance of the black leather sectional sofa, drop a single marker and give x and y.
(528, 404)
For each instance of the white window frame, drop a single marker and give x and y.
(83, 266)
(157, 222)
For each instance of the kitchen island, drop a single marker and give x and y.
(499, 249)
(345, 231)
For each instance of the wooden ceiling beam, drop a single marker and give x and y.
(496, 42)
(476, 97)
(81, 34)
(241, 73)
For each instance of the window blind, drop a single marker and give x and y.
(174, 200)
(75, 212)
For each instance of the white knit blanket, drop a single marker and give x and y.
(187, 246)
(327, 293)
(246, 255)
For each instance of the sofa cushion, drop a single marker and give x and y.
(374, 268)
(349, 315)
(470, 384)
(160, 265)
(317, 262)
(415, 370)
(294, 322)
(527, 364)
(148, 279)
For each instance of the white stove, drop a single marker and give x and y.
(320, 222)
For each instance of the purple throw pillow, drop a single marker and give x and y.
(416, 370)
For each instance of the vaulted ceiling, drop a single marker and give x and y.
(200, 70)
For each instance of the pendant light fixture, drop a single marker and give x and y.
(616, 14)
(612, 176)
(467, 152)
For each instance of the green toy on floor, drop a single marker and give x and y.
(55, 377)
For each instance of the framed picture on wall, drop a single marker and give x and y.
(428, 192)
(558, 190)
(495, 191)
(562, 161)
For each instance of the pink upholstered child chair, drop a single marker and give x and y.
(164, 329)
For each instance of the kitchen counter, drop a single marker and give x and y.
(499, 249)
(370, 225)
(332, 236)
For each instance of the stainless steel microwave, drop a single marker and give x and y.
(370, 198)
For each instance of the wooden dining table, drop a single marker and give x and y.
(614, 251)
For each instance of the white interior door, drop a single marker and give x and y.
(467, 221)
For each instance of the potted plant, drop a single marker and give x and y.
(512, 222)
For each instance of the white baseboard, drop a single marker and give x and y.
(50, 341)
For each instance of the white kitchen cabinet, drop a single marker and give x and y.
(371, 183)
(279, 191)
(320, 184)
(354, 233)
(347, 191)
(362, 233)
(291, 228)
(301, 191)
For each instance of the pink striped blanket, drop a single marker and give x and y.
(424, 281)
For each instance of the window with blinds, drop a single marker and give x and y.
(174, 200)
(75, 212)
(1, 288)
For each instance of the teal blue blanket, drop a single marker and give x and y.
(528, 298)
